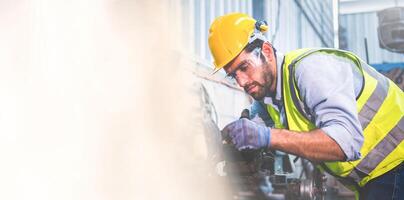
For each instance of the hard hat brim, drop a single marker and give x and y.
(216, 70)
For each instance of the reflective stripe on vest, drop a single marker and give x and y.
(381, 150)
(383, 147)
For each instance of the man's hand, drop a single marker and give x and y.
(245, 134)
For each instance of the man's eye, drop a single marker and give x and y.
(243, 68)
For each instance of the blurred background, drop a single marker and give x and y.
(114, 99)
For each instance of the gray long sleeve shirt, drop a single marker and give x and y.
(328, 85)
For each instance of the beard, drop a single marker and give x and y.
(262, 89)
(259, 94)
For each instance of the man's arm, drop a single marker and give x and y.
(314, 145)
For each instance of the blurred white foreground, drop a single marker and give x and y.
(96, 103)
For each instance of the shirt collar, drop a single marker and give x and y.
(278, 92)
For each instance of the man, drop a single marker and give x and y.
(327, 106)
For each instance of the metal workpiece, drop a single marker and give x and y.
(269, 175)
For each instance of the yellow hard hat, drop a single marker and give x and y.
(230, 34)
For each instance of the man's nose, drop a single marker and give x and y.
(242, 80)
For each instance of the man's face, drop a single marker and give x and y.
(254, 74)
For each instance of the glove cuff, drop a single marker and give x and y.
(265, 136)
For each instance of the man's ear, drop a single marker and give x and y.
(268, 51)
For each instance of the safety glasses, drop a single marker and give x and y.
(246, 67)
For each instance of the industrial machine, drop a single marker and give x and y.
(259, 174)
(391, 29)
(265, 175)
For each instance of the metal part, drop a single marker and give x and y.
(307, 189)
(269, 175)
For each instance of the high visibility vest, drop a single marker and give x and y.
(380, 107)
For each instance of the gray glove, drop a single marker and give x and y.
(245, 134)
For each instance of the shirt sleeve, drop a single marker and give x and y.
(327, 85)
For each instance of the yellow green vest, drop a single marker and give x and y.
(380, 108)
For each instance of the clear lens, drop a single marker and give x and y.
(247, 65)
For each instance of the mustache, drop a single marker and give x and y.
(254, 83)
